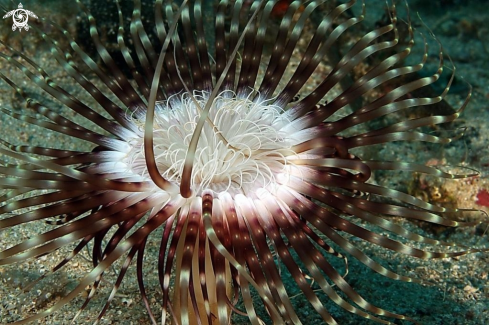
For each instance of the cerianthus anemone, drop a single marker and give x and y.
(214, 135)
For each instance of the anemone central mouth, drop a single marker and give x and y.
(241, 147)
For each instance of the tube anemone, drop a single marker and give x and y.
(247, 164)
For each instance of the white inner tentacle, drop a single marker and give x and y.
(255, 151)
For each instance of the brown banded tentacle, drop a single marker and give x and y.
(315, 214)
(138, 32)
(363, 49)
(67, 99)
(362, 208)
(185, 253)
(114, 241)
(202, 47)
(121, 210)
(408, 125)
(379, 73)
(221, 230)
(283, 47)
(362, 169)
(267, 222)
(324, 179)
(117, 283)
(260, 259)
(322, 145)
(95, 138)
(168, 81)
(203, 253)
(66, 62)
(135, 73)
(211, 222)
(91, 180)
(149, 156)
(359, 89)
(429, 170)
(139, 275)
(175, 59)
(59, 208)
(240, 239)
(120, 84)
(74, 252)
(47, 152)
(190, 48)
(137, 36)
(46, 198)
(75, 159)
(220, 43)
(167, 254)
(252, 52)
(327, 196)
(315, 261)
(228, 72)
(169, 209)
(317, 48)
(186, 176)
(311, 210)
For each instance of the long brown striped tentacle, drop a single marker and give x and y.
(316, 49)
(135, 73)
(190, 48)
(326, 179)
(137, 31)
(53, 239)
(236, 220)
(283, 48)
(202, 47)
(38, 200)
(360, 51)
(222, 231)
(47, 152)
(228, 67)
(278, 219)
(172, 66)
(36, 106)
(91, 180)
(314, 261)
(211, 226)
(358, 231)
(124, 247)
(150, 159)
(252, 52)
(77, 133)
(120, 84)
(185, 190)
(377, 76)
(45, 83)
(118, 114)
(167, 255)
(268, 276)
(139, 272)
(185, 253)
(220, 44)
(146, 53)
(61, 124)
(113, 242)
(142, 36)
(130, 102)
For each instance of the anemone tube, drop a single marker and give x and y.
(243, 178)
